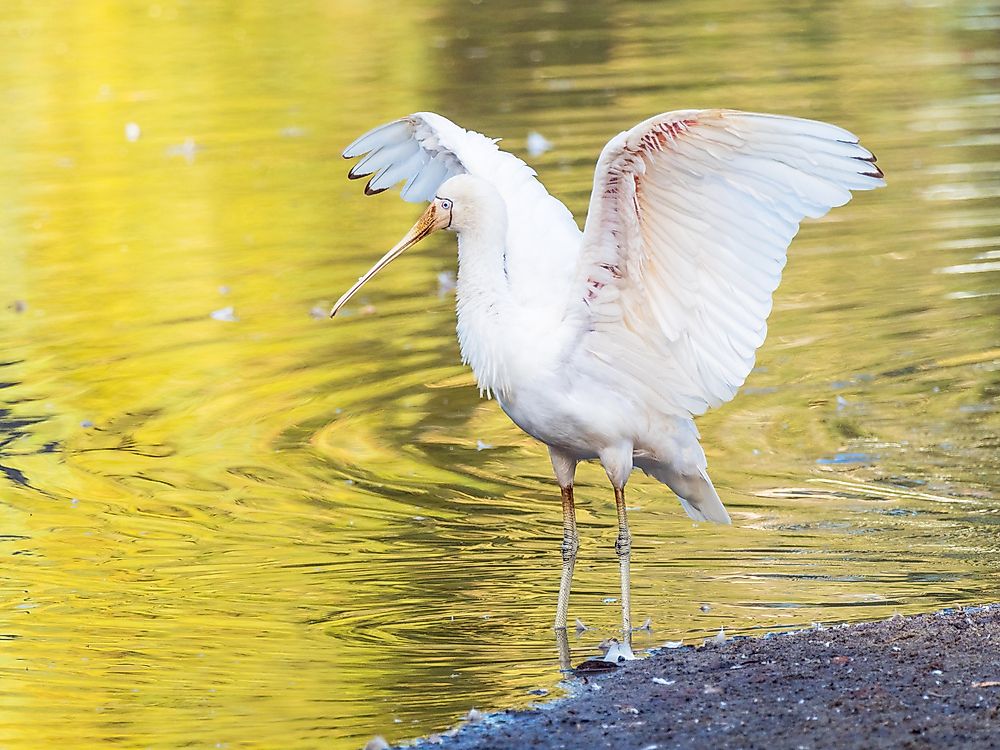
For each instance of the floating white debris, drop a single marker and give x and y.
(648, 625)
(377, 743)
(188, 149)
(609, 600)
(292, 131)
(226, 314)
(481, 446)
(474, 716)
(132, 132)
(661, 681)
(705, 607)
(537, 144)
(673, 644)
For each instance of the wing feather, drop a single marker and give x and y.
(395, 171)
(427, 180)
(381, 157)
(398, 131)
(686, 238)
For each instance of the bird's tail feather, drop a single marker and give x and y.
(697, 494)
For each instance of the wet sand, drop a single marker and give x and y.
(927, 681)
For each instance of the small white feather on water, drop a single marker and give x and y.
(719, 637)
(225, 314)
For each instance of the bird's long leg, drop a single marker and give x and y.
(564, 466)
(623, 546)
(617, 462)
(570, 544)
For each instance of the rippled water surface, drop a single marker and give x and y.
(263, 528)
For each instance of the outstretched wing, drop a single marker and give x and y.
(422, 149)
(690, 218)
(425, 149)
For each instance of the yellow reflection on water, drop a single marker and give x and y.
(230, 522)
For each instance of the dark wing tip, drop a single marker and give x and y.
(877, 173)
(370, 191)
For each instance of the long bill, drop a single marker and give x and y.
(431, 220)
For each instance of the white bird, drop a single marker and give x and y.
(606, 343)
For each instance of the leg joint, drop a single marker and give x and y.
(569, 548)
(623, 544)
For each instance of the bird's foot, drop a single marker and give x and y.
(618, 652)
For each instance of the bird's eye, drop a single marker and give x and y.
(446, 204)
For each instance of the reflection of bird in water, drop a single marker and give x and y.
(605, 343)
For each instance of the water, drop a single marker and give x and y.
(267, 529)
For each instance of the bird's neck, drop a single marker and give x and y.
(483, 302)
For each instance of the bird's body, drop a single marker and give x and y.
(606, 343)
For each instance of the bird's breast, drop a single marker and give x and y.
(575, 416)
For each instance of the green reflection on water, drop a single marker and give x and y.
(281, 532)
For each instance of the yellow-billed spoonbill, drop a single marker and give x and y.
(606, 343)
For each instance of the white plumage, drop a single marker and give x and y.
(604, 344)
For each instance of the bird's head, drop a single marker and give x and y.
(461, 204)
(470, 202)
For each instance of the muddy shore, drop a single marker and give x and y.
(927, 681)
